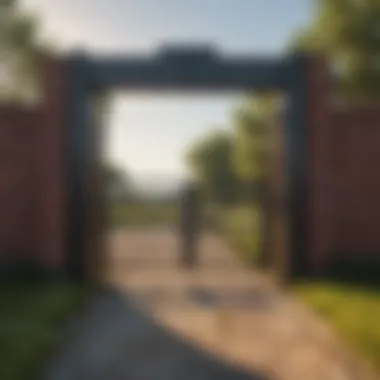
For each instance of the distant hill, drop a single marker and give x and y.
(160, 186)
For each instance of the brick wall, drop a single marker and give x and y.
(356, 182)
(344, 186)
(33, 176)
(52, 165)
(20, 214)
(344, 150)
(320, 148)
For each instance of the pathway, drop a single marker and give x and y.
(218, 322)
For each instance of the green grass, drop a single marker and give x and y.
(240, 225)
(32, 315)
(354, 313)
(241, 228)
(142, 214)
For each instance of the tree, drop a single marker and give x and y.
(20, 53)
(348, 33)
(210, 160)
(253, 124)
(117, 182)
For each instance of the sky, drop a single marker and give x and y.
(148, 135)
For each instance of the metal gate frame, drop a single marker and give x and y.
(186, 70)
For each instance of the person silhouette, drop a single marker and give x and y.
(190, 224)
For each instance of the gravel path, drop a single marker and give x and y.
(220, 321)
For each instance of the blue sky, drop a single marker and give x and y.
(149, 134)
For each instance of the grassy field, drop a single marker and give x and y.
(142, 214)
(354, 313)
(241, 228)
(239, 224)
(32, 315)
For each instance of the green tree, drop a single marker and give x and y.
(210, 161)
(253, 123)
(20, 53)
(348, 33)
(117, 182)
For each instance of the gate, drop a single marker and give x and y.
(185, 70)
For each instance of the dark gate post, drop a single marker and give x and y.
(79, 67)
(297, 163)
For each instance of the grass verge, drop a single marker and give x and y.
(241, 228)
(354, 312)
(32, 315)
(142, 214)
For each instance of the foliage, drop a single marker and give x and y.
(253, 124)
(240, 225)
(347, 32)
(233, 167)
(32, 315)
(117, 182)
(354, 312)
(21, 53)
(210, 160)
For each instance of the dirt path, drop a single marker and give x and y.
(163, 322)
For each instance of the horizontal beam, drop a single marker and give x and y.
(188, 73)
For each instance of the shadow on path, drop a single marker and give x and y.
(210, 298)
(114, 340)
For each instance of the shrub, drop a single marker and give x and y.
(241, 228)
